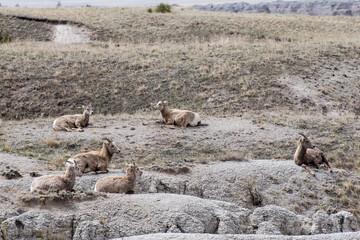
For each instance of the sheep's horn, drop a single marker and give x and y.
(303, 135)
(107, 139)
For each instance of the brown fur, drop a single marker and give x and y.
(177, 117)
(74, 123)
(307, 154)
(124, 184)
(95, 161)
(65, 182)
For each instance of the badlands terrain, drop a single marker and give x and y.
(257, 80)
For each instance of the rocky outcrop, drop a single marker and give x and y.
(280, 183)
(221, 203)
(173, 236)
(129, 215)
(317, 8)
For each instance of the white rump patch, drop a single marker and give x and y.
(196, 120)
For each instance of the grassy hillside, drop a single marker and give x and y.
(215, 63)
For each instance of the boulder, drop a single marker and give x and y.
(322, 223)
(345, 222)
(38, 225)
(273, 219)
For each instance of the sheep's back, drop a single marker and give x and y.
(48, 183)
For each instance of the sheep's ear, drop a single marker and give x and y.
(89, 104)
(83, 107)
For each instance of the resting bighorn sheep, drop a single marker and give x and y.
(124, 184)
(51, 182)
(306, 153)
(74, 123)
(181, 118)
(95, 161)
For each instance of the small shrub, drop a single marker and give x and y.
(163, 8)
(52, 142)
(149, 10)
(4, 39)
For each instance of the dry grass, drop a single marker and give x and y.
(135, 25)
(52, 142)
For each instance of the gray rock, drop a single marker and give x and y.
(280, 183)
(306, 224)
(90, 230)
(182, 236)
(273, 219)
(322, 223)
(38, 225)
(345, 222)
(318, 8)
(267, 228)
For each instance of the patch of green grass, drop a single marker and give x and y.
(163, 8)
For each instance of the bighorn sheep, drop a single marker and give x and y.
(51, 182)
(181, 118)
(74, 123)
(119, 184)
(95, 161)
(306, 153)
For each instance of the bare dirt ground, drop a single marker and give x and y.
(64, 33)
(147, 142)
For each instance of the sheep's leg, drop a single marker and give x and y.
(90, 172)
(316, 165)
(102, 171)
(308, 169)
(326, 162)
(68, 129)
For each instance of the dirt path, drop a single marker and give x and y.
(71, 34)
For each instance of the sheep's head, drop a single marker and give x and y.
(305, 142)
(71, 163)
(88, 109)
(111, 146)
(133, 169)
(161, 105)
